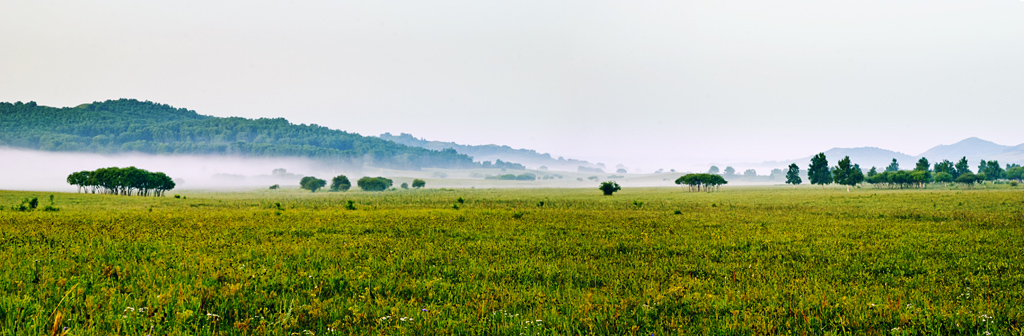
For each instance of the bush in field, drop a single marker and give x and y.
(374, 183)
(609, 187)
(312, 183)
(275, 187)
(418, 183)
(943, 177)
(968, 179)
(340, 183)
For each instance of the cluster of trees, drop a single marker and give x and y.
(845, 173)
(904, 179)
(342, 183)
(129, 125)
(730, 173)
(122, 181)
(699, 182)
(502, 165)
(513, 177)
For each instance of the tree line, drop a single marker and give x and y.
(342, 183)
(122, 181)
(845, 173)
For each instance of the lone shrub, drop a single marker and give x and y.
(609, 187)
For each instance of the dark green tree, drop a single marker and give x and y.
(312, 183)
(945, 167)
(923, 169)
(993, 171)
(846, 174)
(818, 172)
(922, 165)
(962, 167)
(873, 171)
(609, 187)
(793, 175)
(340, 183)
(418, 183)
(893, 167)
(943, 177)
(1015, 173)
(968, 179)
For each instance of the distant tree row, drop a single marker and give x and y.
(122, 181)
(502, 165)
(845, 173)
(366, 183)
(701, 182)
(513, 177)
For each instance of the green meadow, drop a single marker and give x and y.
(646, 261)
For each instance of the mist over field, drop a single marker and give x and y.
(47, 171)
(32, 170)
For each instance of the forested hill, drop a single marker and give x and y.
(529, 157)
(128, 125)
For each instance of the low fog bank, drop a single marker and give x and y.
(47, 171)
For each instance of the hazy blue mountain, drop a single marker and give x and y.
(970, 147)
(531, 158)
(973, 148)
(866, 157)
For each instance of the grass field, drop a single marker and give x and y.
(661, 261)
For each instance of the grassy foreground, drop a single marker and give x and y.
(768, 260)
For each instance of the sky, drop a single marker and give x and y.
(651, 84)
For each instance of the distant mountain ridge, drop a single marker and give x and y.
(967, 147)
(531, 158)
(973, 148)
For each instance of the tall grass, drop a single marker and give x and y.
(769, 260)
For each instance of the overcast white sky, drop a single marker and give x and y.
(645, 83)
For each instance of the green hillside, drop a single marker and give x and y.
(128, 125)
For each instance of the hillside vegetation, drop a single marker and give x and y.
(127, 125)
(738, 261)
